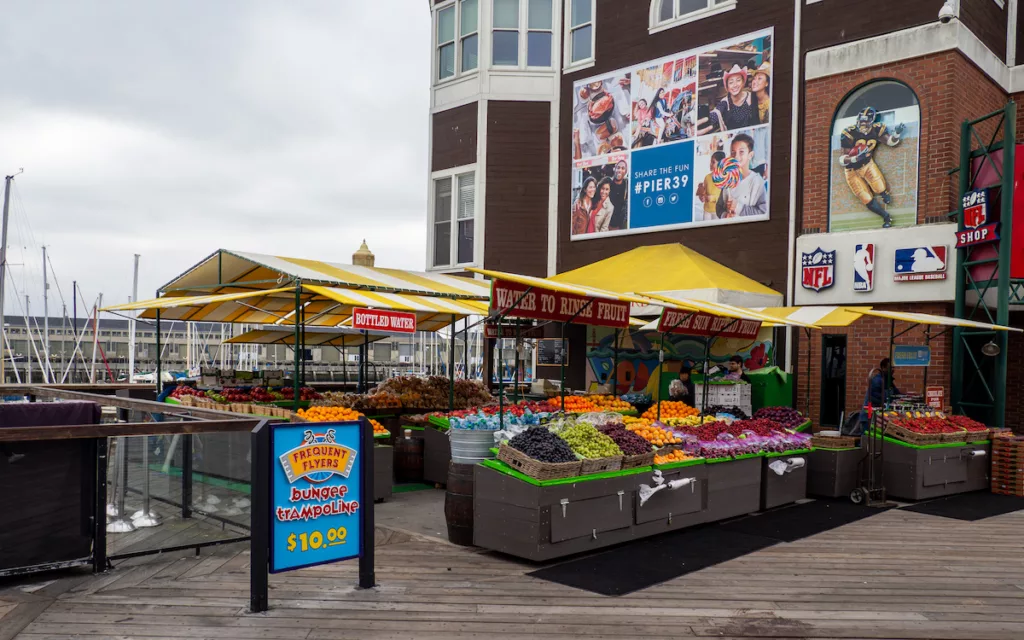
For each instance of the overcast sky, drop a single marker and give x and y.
(174, 128)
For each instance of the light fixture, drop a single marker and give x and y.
(991, 349)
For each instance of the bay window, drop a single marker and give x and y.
(457, 38)
(538, 34)
(522, 26)
(454, 217)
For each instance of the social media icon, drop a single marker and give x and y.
(647, 201)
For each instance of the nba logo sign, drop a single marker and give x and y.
(818, 269)
(975, 208)
(864, 268)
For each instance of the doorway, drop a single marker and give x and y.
(833, 379)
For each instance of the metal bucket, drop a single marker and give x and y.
(470, 446)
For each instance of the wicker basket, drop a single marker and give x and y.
(959, 436)
(912, 437)
(535, 468)
(833, 442)
(977, 436)
(600, 465)
(642, 460)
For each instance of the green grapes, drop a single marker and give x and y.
(587, 441)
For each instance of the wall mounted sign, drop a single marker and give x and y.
(905, 355)
(380, 320)
(977, 228)
(552, 352)
(914, 264)
(315, 494)
(818, 269)
(864, 268)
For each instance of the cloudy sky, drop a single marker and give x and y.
(172, 129)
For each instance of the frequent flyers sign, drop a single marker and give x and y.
(543, 304)
(378, 320)
(704, 324)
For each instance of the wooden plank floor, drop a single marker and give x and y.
(895, 575)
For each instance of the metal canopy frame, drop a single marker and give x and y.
(978, 381)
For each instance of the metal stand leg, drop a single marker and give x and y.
(145, 517)
(120, 524)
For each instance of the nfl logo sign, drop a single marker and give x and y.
(864, 268)
(975, 208)
(818, 269)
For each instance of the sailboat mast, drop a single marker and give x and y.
(46, 319)
(3, 274)
(131, 323)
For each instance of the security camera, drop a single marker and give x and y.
(947, 13)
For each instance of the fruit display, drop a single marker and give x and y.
(655, 435)
(305, 393)
(689, 421)
(676, 455)
(576, 404)
(970, 424)
(670, 409)
(634, 421)
(584, 439)
(414, 392)
(610, 403)
(736, 429)
(260, 394)
(328, 414)
(728, 446)
(788, 417)
(732, 410)
(215, 396)
(926, 425)
(630, 443)
(183, 390)
(636, 397)
(235, 395)
(379, 429)
(540, 444)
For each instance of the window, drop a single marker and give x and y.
(538, 34)
(454, 216)
(522, 26)
(505, 43)
(667, 13)
(581, 31)
(458, 39)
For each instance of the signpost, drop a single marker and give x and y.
(312, 500)
(904, 355)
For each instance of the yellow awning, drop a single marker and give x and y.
(926, 318)
(820, 316)
(674, 270)
(722, 310)
(173, 302)
(235, 271)
(560, 287)
(254, 307)
(312, 338)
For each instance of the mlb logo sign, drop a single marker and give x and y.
(914, 264)
(818, 269)
(864, 268)
(975, 208)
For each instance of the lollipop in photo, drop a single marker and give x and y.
(726, 173)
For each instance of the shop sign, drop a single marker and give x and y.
(977, 228)
(818, 269)
(380, 320)
(315, 494)
(935, 397)
(904, 355)
(693, 323)
(916, 264)
(544, 304)
(508, 330)
(864, 268)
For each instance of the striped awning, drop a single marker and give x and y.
(926, 318)
(234, 271)
(820, 316)
(312, 337)
(559, 287)
(721, 310)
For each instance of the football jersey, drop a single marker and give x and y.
(853, 138)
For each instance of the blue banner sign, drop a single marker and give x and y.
(315, 494)
(904, 355)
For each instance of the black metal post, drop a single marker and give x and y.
(296, 347)
(615, 364)
(99, 515)
(707, 357)
(561, 386)
(157, 374)
(259, 542)
(465, 349)
(807, 332)
(661, 362)
(501, 377)
(516, 373)
(367, 577)
(451, 367)
(186, 476)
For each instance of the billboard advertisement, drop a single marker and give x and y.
(677, 142)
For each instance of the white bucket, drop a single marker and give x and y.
(470, 446)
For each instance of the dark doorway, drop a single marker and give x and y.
(833, 379)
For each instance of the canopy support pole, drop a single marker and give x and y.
(661, 360)
(295, 347)
(565, 349)
(615, 364)
(465, 348)
(807, 393)
(159, 386)
(515, 375)
(364, 362)
(707, 357)
(501, 374)
(451, 368)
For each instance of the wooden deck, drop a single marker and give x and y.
(896, 575)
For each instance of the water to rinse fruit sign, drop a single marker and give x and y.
(315, 494)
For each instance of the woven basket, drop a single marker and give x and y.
(600, 465)
(977, 436)
(830, 442)
(535, 468)
(642, 460)
(912, 437)
(959, 436)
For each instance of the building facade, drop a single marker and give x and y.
(733, 127)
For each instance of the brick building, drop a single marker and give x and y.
(534, 100)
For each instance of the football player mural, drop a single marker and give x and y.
(865, 178)
(874, 176)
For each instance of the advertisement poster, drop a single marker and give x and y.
(314, 494)
(874, 154)
(676, 142)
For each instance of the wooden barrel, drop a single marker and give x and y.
(458, 504)
(408, 459)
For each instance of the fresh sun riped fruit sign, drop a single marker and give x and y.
(315, 494)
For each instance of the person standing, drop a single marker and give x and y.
(581, 209)
(760, 85)
(601, 214)
(619, 196)
(682, 389)
(734, 369)
(750, 196)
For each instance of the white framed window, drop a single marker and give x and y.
(522, 34)
(666, 14)
(453, 218)
(579, 33)
(457, 39)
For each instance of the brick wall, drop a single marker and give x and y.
(949, 88)
(867, 343)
